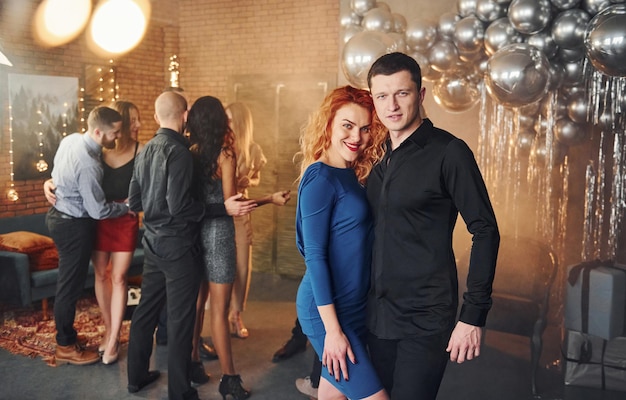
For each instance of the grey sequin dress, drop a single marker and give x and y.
(217, 238)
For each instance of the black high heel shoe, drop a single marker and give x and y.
(231, 385)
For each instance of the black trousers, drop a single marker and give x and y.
(176, 284)
(316, 369)
(410, 368)
(74, 239)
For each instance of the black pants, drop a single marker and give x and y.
(74, 238)
(316, 369)
(410, 368)
(177, 281)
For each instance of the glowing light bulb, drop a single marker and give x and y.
(117, 26)
(57, 22)
(12, 195)
(42, 165)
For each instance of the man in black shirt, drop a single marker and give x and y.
(161, 187)
(426, 178)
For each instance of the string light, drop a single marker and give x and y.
(81, 107)
(11, 193)
(174, 74)
(100, 87)
(41, 165)
(112, 84)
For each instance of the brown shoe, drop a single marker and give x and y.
(75, 354)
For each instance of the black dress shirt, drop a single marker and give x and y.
(416, 193)
(161, 186)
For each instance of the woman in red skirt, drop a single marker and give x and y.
(116, 238)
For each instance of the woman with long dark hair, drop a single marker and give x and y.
(215, 166)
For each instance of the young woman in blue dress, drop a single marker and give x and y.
(334, 232)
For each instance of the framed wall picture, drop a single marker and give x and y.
(43, 109)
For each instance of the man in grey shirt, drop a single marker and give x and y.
(80, 201)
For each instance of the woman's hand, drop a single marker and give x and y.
(243, 182)
(336, 350)
(281, 198)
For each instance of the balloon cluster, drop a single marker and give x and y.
(546, 73)
(518, 50)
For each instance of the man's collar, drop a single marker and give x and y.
(419, 136)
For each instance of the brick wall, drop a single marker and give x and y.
(141, 76)
(214, 39)
(221, 38)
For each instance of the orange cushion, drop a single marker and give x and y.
(41, 251)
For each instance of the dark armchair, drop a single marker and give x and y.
(525, 272)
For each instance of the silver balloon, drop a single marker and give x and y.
(565, 4)
(431, 74)
(594, 6)
(490, 10)
(568, 28)
(349, 31)
(543, 41)
(466, 7)
(570, 55)
(577, 107)
(360, 7)
(455, 92)
(568, 91)
(525, 138)
(470, 57)
(604, 41)
(477, 72)
(557, 74)
(377, 19)
(422, 61)
(445, 27)
(360, 53)
(443, 55)
(399, 23)
(399, 42)
(573, 73)
(500, 33)
(350, 18)
(420, 34)
(527, 122)
(569, 132)
(383, 5)
(517, 75)
(529, 16)
(469, 34)
(540, 151)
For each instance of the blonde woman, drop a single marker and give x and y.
(250, 161)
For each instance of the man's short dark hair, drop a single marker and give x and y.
(102, 117)
(391, 63)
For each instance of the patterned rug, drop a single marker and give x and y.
(24, 332)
